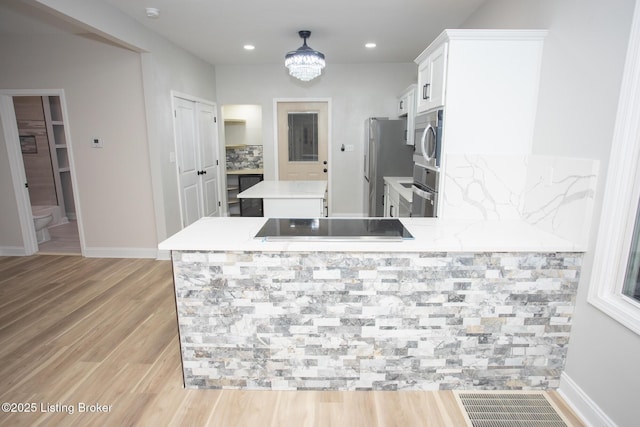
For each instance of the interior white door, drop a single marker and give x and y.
(208, 139)
(187, 160)
(197, 159)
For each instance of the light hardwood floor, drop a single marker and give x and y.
(79, 330)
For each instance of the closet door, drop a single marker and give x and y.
(187, 161)
(196, 138)
(208, 141)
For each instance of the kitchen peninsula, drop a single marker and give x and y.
(290, 199)
(460, 305)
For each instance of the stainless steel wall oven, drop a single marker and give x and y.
(425, 191)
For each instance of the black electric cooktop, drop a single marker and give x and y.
(390, 229)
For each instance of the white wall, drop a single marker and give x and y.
(104, 99)
(357, 91)
(249, 132)
(141, 105)
(168, 68)
(579, 90)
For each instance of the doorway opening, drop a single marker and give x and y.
(37, 137)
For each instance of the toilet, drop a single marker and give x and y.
(41, 219)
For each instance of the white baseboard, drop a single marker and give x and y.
(163, 255)
(582, 404)
(12, 251)
(120, 252)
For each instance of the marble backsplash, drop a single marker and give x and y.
(553, 193)
(244, 157)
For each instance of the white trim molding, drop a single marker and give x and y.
(16, 163)
(622, 192)
(121, 253)
(12, 251)
(581, 403)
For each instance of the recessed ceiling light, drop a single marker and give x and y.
(370, 45)
(152, 12)
(249, 47)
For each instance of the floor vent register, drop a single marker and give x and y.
(500, 409)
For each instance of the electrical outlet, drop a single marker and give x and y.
(96, 143)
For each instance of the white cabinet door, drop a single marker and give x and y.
(385, 198)
(403, 105)
(432, 80)
(394, 202)
(409, 97)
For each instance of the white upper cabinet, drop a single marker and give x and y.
(407, 108)
(431, 79)
(487, 83)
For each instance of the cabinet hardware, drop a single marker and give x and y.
(425, 91)
(325, 170)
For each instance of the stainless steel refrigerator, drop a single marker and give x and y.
(385, 154)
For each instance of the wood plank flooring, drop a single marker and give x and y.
(93, 331)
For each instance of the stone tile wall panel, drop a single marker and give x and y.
(374, 321)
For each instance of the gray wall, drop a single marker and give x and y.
(580, 85)
(128, 189)
(104, 99)
(10, 232)
(357, 91)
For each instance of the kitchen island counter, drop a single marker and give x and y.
(464, 305)
(430, 235)
(290, 199)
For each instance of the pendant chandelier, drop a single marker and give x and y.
(304, 63)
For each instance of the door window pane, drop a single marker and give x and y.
(632, 278)
(303, 137)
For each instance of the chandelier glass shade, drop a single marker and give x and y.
(304, 63)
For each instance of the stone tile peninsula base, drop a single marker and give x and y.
(374, 321)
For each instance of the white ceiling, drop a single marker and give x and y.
(216, 30)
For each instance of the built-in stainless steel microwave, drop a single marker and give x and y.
(428, 139)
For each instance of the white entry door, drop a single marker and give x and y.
(197, 159)
(303, 129)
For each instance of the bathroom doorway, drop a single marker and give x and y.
(42, 162)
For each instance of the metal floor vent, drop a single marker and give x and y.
(490, 409)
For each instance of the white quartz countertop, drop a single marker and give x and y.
(286, 190)
(397, 181)
(430, 235)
